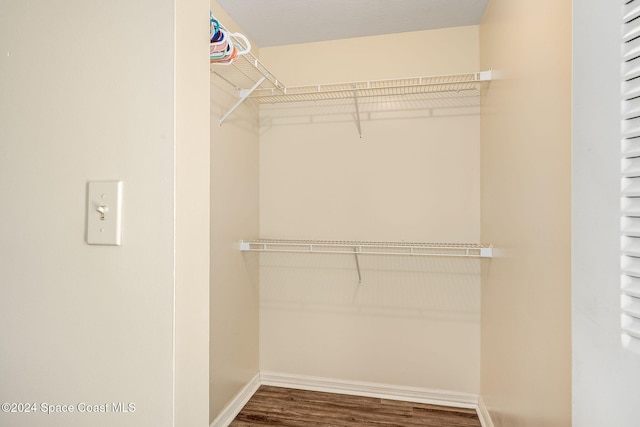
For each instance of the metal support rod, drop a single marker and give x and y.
(355, 98)
(355, 251)
(244, 94)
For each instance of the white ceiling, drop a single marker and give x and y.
(281, 22)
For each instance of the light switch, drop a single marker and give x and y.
(104, 213)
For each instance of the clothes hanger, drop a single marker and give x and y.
(214, 26)
(242, 50)
(221, 55)
(219, 44)
(225, 46)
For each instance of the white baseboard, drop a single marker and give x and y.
(483, 414)
(237, 403)
(356, 388)
(382, 391)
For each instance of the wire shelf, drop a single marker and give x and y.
(248, 74)
(254, 82)
(368, 248)
(471, 82)
(247, 71)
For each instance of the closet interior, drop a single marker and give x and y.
(324, 243)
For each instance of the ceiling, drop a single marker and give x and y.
(281, 22)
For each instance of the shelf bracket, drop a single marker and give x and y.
(244, 94)
(355, 99)
(486, 252)
(484, 76)
(355, 252)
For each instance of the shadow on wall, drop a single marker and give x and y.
(406, 107)
(440, 288)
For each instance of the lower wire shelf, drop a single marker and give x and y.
(368, 248)
(357, 248)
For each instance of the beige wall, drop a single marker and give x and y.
(413, 176)
(421, 53)
(95, 324)
(192, 195)
(234, 216)
(526, 207)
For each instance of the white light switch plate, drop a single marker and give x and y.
(104, 213)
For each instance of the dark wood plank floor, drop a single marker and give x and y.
(277, 406)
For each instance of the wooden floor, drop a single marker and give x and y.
(276, 406)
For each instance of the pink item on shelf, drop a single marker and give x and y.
(221, 44)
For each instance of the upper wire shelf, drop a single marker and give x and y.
(255, 82)
(404, 86)
(247, 71)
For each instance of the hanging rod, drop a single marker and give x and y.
(368, 248)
